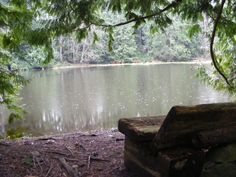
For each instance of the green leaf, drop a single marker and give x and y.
(194, 30)
(6, 41)
(110, 38)
(81, 34)
(13, 117)
(154, 29)
(15, 133)
(95, 37)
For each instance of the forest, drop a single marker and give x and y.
(141, 45)
(85, 105)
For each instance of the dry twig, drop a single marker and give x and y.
(69, 150)
(49, 171)
(67, 167)
(57, 152)
(89, 161)
(99, 159)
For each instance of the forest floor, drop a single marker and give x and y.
(69, 155)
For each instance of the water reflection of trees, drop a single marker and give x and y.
(95, 98)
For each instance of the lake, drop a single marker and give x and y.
(94, 98)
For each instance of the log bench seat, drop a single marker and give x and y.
(183, 143)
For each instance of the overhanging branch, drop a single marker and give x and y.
(213, 57)
(171, 5)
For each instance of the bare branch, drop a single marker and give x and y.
(213, 57)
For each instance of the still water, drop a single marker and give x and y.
(87, 99)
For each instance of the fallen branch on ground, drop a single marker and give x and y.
(67, 167)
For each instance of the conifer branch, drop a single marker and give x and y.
(171, 5)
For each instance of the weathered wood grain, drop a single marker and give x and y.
(215, 137)
(182, 123)
(177, 162)
(140, 128)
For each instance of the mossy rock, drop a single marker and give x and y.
(222, 154)
(220, 161)
(219, 170)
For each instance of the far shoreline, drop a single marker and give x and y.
(129, 64)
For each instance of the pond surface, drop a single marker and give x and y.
(87, 99)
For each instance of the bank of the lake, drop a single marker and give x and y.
(84, 155)
(66, 66)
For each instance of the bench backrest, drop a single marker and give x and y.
(187, 125)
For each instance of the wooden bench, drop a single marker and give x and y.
(179, 144)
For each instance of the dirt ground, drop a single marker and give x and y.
(70, 155)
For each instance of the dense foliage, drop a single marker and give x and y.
(12, 20)
(29, 27)
(131, 46)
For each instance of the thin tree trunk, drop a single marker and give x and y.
(82, 53)
(60, 49)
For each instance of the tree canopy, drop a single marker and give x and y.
(36, 22)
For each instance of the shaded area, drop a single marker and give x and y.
(83, 155)
(192, 141)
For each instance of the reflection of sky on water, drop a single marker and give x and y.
(95, 98)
